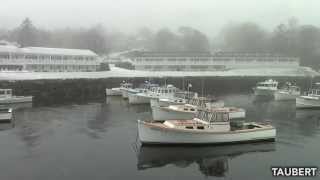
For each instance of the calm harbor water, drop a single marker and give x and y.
(97, 141)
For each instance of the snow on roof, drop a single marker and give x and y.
(47, 51)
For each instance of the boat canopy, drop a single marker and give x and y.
(268, 83)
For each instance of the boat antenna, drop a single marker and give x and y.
(183, 88)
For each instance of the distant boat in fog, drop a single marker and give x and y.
(311, 99)
(6, 97)
(266, 88)
(117, 91)
(167, 91)
(287, 92)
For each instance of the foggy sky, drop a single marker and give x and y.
(129, 15)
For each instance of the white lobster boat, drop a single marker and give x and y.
(118, 90)
(188, 111)
(6, 97)
(179, 98)
(288, 92)
(266, 88)
(153, 93)
(311, 100)
(207, 128)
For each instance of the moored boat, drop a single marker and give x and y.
(207, 128)
(179, 98)
(311, 99)
(288, 92)
(117, 91)
(6, 97)
(153, 93)
(266, 88)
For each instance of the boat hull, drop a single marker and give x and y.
(124, 93)
(307, 103)
(113, 92)
(264, 92)
(151, 135)
(137, 99)
(284, 96)
(16, 99)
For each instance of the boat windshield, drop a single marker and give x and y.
(267, 85)
(315, 92)
(5, 91)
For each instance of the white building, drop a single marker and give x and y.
(205, 61)
(40, 59)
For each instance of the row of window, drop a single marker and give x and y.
(61, 67)
(220, 59)
(178, 67)
(42, 57)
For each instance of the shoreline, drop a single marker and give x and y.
(116, 72)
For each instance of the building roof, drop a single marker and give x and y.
(47, 51)
(246, 54)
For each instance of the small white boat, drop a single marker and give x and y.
(153, 93)
(117, 91)
(207, 128)
(311, 99)
(187, 111)
(5, 115)
(288, 92)
(6, 97)
(266, 88)
(180, 98)
(144, 88)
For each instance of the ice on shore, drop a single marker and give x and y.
(120, 72)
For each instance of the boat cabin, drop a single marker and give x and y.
(168, 90)
(315, 90)
(268, 84)
(205, 120)
(148, 85)
(199, 101)
(126, 85)
(291, 88)
(5, 93)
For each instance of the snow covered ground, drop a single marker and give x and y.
(119, 72)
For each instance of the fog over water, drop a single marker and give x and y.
(208, 16)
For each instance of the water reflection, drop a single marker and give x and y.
(7, 125)
(211, 160)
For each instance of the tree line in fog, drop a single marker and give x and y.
(288, 38)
